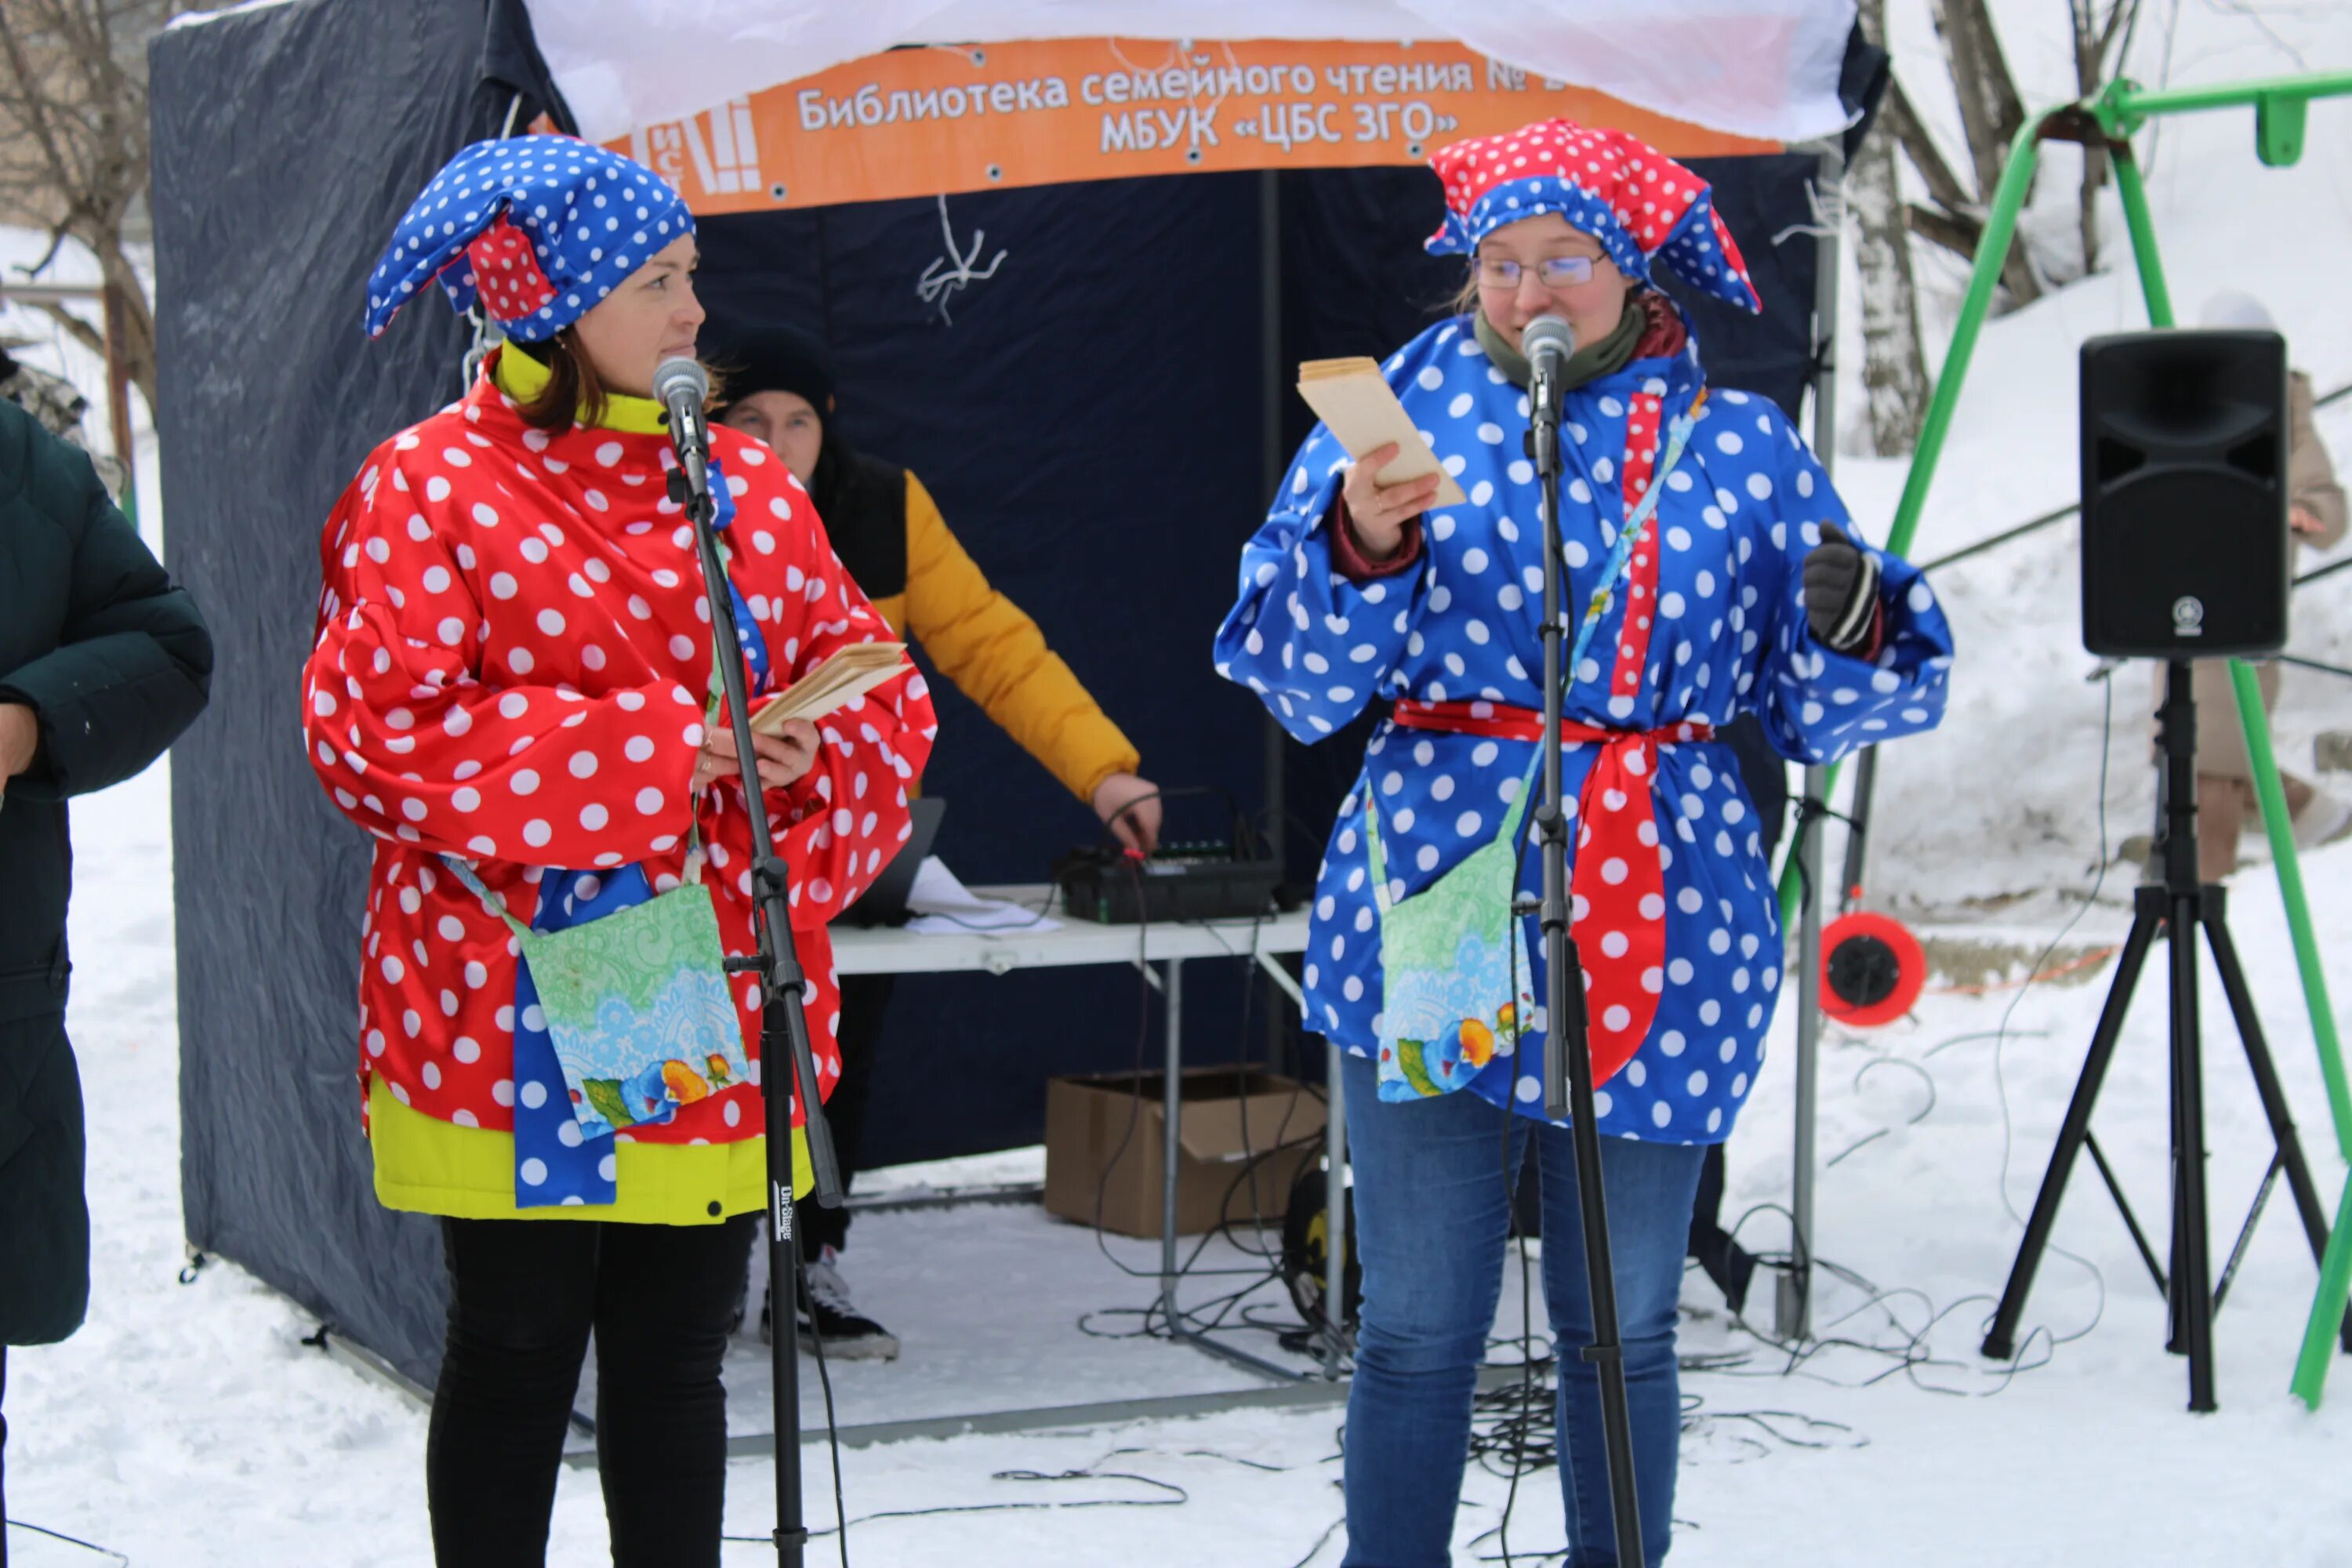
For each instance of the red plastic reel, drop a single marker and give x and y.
(1872, 969)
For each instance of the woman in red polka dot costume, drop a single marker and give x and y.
(513, 667)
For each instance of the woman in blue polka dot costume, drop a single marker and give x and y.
(1740, 587)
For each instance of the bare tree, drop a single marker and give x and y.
(1990, 113)
(2096, 38)
(1990, 109)
(73, 147)
(1893, 369)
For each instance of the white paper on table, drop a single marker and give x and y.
(943, 906)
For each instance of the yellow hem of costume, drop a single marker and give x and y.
(523, 378)
(423, 1165)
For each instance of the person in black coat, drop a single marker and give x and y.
(102, 663)
(1729, 1264)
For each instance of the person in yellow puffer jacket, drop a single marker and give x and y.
(776, 384)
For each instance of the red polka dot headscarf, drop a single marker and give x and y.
(539, 228)
(1636, 201)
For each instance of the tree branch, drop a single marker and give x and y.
(58, 238)
(2120, 17)
(1894, 369)
(76, 329)
(39, 110)
(1957, 235)
(1962, 235)
(73, 145)
(1990, 109)
(1943, 185)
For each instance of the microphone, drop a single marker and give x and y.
(681, 387)
(1547, 341)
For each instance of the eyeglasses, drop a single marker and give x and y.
(1552, 271)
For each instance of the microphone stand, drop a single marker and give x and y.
(783, 996)
(1568, 1059)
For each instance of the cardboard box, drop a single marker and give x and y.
(1243, 1135)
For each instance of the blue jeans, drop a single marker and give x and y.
(1432, 1215)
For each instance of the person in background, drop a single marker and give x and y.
(2226, 800)
(1765, 774)
(103, 663)
(778, 386)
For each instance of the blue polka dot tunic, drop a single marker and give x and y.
(1719, 629)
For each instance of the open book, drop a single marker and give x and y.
(1354, 399)
(844, 676)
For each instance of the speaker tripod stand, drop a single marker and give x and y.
(2179, 908)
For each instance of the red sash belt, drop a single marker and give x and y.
(1618, 883)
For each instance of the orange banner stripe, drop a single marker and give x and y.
(946, 120)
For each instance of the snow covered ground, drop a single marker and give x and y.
(188, 1425)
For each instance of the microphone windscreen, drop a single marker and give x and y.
(681, 375)
(1548, 333)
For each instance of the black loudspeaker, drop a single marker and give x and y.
(2185, 551)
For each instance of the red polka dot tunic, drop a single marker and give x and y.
(512, 667)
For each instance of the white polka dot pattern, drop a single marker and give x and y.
(1720, 629)
(1639, 203)
(537, 739)
(539, 227)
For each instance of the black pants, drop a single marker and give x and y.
(1729, 1264)
(523, 1295)
(865, 999)
(1761, 769)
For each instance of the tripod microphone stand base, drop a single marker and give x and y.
(2179, 909)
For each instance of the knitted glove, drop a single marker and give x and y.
(1840, 592)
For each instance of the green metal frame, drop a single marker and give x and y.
(2119, 111)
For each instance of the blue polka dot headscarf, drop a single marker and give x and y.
(539, 227)
(1638, 202)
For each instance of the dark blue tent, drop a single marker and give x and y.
(1097, 423)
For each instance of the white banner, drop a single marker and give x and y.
(1756, 68)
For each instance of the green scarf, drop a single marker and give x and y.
(1590, 362)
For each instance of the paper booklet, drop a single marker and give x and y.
(845, 675)
(1354, 399)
